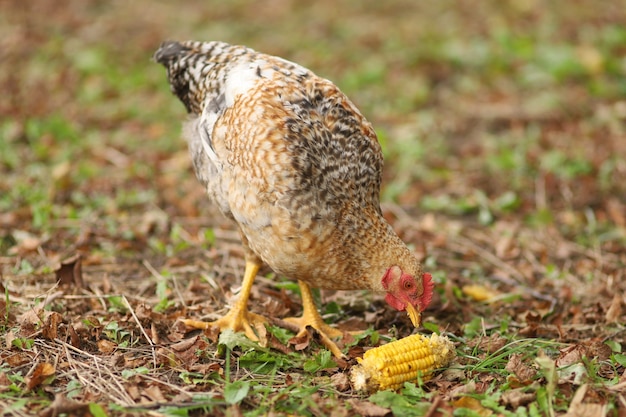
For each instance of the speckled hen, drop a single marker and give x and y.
(288, 157)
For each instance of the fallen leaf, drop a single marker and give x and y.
(74, 338)
(516, 397)
(522, 371)
(185, 344)
(9, 337)
(578, 408)
(70, 272)
(63, 405)
(153, 221)
(479, 292)
(31, 317)
(599, 349)
(614, 312)
(489, 344)
(301, 342)
(472, 404)
(184, 352)
(572, 374)
(368, 409)
(106, 346)
(340, 381)
(5, 382)
(26, 242)
(18, 359)
(51, 322)
(207, 368)
(459, 390)
(154, 393)
(41, 372)
(616, 211)
(570, 355)
(133, 391)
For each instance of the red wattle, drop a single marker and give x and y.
(429, 286)
(394, 302)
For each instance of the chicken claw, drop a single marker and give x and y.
(311, 317)
(238, 318)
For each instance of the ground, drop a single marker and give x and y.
(504, 131)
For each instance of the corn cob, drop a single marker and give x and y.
(391, 365)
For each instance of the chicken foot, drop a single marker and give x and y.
(238, 317)
(311, 317)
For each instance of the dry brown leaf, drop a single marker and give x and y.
(570, 355)
(5, 382)
(144, 312)
(41, 372)
(368, 409)
(207, 368)
(184, 344)
(152, 221)
(459, 390)
(106, 346)
(63, 405)
(340, 381)
(70, 273)
(154, 393)
(9, 337)
(51, 322)
(18, 359)
(276, 344)
(616, 211)
(578, 408)
(301, 342)
(183, 352)
(490, 344)
(614, 312)
(599, 349)
(26, 242)
(522, 371)
(74, 338)
(133, 391)
(31, 317)
(472, 404)
(516, 397)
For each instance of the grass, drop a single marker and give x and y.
(503, 132)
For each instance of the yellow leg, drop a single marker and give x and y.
(238, 318)
(311, 317)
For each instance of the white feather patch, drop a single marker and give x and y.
(241, 79)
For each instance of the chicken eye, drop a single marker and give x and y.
(408, 285)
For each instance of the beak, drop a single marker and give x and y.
(414, 315)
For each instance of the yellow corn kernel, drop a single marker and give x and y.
(391, 365)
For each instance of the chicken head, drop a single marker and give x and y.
(406, 292)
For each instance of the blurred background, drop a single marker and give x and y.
(481, 108)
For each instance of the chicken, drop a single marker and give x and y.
(288, 157)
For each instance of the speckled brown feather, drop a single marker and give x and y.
(291, 160)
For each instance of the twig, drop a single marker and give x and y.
(112, 383)
(143, 331)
